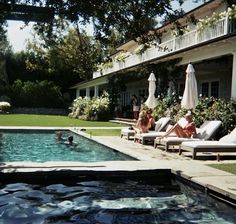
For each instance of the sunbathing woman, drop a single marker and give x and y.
(142, 125)
(151, 120)
(187, 132)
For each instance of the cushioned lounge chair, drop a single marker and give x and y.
(206, 131)
(225, 144)
(150, 136)
(161, 124)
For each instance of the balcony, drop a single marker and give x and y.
(194, 37)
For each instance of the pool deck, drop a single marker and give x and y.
(149, 159)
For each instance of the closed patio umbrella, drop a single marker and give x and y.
(151, 101)
(190, 96)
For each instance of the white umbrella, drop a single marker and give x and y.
(151, 101)
(190, 97)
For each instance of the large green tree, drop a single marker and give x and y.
(132, 18)
(69, 57)
(5, 48)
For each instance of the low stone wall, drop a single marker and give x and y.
(41, 111)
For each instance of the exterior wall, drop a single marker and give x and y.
(139, 88)
(128, 46)
(207, 71)
(215, 70)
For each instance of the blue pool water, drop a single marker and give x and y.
(109, 202)
(43, 146)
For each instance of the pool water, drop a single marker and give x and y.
(109, 202)
(44, 146)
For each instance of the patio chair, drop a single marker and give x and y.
(160, 126)
(206, 131)
(225, 144)
(150, 136)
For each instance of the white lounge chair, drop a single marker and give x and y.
(161, 124)
(225, 144)
(150, 136)
(206, 131)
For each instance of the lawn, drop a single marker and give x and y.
(103, 132)
(231, 167)
(49, 120)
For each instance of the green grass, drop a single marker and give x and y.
(103, 132)
(231, 167)
(49, 120)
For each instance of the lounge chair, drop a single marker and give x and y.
(150, 136)
(206, 131)
(225, 144)
(160, 126)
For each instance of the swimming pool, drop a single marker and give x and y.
(106, 201)
(43, 146)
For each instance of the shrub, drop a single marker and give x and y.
(5, 106)
(36, 94)
(217, 109)
(170, 107)
(96, 108)
(207, 109)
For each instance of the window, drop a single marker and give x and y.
(205, 89)
(125, 98)
(215, 89)
(210, 88)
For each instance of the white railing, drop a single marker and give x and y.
(192, 38)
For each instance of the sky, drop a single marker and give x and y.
(18, 36)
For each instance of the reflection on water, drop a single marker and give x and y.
(105, 202)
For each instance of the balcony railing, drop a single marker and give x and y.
(189, 39)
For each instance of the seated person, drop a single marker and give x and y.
(151, 120)
(142, 125)
(183, 132)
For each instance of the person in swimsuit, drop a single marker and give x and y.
(151, 120)
(142, 125)
(188, 131)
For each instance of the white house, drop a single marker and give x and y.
(209, 44)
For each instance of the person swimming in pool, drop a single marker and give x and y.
(70, 141)
(59, 136)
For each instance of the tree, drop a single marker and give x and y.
(67, 58)
(132, 18)
(5, 48)
(16, 68)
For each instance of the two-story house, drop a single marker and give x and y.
(209, 44)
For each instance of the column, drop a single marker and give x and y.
(88, 92)
(96, 89)
(77, 93)
(233, 83)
